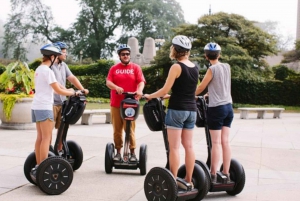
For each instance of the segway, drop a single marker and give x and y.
(236, 171)
(55, 174)
(160, 184)
(129, 111)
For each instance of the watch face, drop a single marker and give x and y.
(129, 112)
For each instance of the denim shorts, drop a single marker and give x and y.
(219, 116)
(179, 119)
(41, 115)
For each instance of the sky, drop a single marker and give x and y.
(282, 11)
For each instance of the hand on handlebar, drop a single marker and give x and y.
(119, 90)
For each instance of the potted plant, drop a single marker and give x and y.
(16, 84)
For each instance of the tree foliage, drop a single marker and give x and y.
(293, 55)
(99, 21)
(243, 44)
(31, 21)
(96, 29)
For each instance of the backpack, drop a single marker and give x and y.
(73, 108)
(154, 114)
(201, 112)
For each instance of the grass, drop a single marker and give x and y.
(102, 103)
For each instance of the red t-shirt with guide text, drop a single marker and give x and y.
(128, 77)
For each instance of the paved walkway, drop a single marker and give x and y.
(269, 150)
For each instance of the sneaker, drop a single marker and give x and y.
(117, 157)
(60, 152)
(133, 158)
(214, 178)
(227, 180)
(33, 173)
(182, 186)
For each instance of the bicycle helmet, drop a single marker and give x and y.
(62, 45)
(50, 49)
(213, 47)
(181, 43)
(123, 47)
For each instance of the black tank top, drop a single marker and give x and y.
(183, 89)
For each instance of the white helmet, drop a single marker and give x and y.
(181, 43)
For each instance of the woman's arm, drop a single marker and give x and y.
(207, 78)
(174, 73)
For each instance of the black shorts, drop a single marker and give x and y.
(219, 116)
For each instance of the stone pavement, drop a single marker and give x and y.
(268, 149)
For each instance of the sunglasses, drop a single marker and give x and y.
(125, 54)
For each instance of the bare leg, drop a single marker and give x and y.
(216, 150)
(38, 142)
(226, 149)
(174, 137)
(187, 142)
(46, 128)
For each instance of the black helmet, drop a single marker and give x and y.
(51, 49)
(123, 47)
(62, 45)
(181, 43)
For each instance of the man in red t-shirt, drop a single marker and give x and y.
(124, 77)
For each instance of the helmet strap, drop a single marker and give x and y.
(52, 62)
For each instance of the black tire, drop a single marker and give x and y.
(160, 184)
(199, 180)
(54, 175)
(206, 171)
(109, 156)
(143, 159)
(75, 153)
(237, 174)
(30, 163)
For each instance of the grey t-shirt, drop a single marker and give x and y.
(219, 88)
(61, 72)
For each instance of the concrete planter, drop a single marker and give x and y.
(20, 117)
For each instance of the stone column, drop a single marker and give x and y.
(134, 44)
(149, 51)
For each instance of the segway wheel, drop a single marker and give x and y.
(76, 154)
(54, 175)
(109, 156)
(160, 184)
(237, 174)
(143, 159)
(199, 180)
(206, 171)
(30, 163)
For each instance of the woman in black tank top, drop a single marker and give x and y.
(181, 115)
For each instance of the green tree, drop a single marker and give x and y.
(30, 22)
(98, 22)
(243, 44)
(151, 18)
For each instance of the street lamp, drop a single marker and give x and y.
(159, 41)
(81, 53)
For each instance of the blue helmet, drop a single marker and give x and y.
(123, 47)
(212, 47)
(62, 45)
(50, 49)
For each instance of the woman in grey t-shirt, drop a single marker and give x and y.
(220, 112)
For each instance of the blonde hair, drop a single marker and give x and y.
(176, 55)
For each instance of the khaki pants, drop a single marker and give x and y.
(57, 115)
(119, 125)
